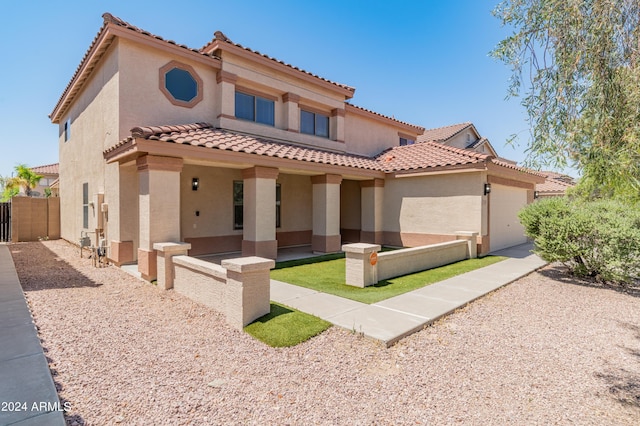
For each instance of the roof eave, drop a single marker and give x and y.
(218, 45)
(103, 41)
(407, 127)
(448, 169)
(514, 173)
(132, 148)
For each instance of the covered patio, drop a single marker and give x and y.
(228, 193)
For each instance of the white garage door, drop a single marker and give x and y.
(505, 229)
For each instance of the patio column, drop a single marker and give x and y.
(371, 211)
(326, 213)
(159, 208)
(259, 212)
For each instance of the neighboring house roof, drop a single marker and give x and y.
(417, 157)
(553, 186)
(443, 133)
(49, 169)
(428, 155)
(477, 143)
(555, 183)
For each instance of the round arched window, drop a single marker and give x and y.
(180, 84)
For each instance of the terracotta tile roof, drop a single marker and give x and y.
(421, 156)
(50, 169)
(220, 37)
(205, 135)
(427, 155)
(443, 133)
(553, 185)
(477, 143)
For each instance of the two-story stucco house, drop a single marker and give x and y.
(232, 150)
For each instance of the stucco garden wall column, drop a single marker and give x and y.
(326, 213)
(259, 212)
(371, 211)
(159, 207)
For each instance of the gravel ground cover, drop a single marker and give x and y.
(543, 350)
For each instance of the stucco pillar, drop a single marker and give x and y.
(166, 253)
(247, 292)
(326, 213)
(472, 242)
(159, 207)
(291, 112)
(259, 212)
(336, 125)
(227, 89)
(361, 267)
(371, 211)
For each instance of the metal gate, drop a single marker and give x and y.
(5, 221)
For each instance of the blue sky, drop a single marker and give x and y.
(425, 62)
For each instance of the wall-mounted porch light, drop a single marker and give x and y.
(195, 183)
(487, 188)
(536, 194)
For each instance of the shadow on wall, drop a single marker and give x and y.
(46, 270)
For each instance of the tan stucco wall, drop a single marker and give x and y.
(213, 199)
(94, 125)
(143, 103)
(295, 207)
(261, 79)
(350, 205)
(369, 137)
(438, 204)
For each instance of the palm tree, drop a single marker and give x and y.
(25, 178)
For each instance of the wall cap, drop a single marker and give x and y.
(248, 264)
(172, 247)
(361, 248)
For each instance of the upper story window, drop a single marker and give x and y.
(313, 123)
(181, 84)
(406, 141)
(67, 130)
(255, 108)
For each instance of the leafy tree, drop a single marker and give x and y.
(576, 64)
(25, 178)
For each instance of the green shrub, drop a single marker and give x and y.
(597, 238)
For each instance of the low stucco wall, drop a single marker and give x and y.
(365, 267)
(406, 261)
(239, 289)
(201, 281)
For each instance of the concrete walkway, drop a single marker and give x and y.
(392, 319)
(27, 393)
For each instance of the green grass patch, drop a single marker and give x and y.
(284, 327)
(328, 276)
